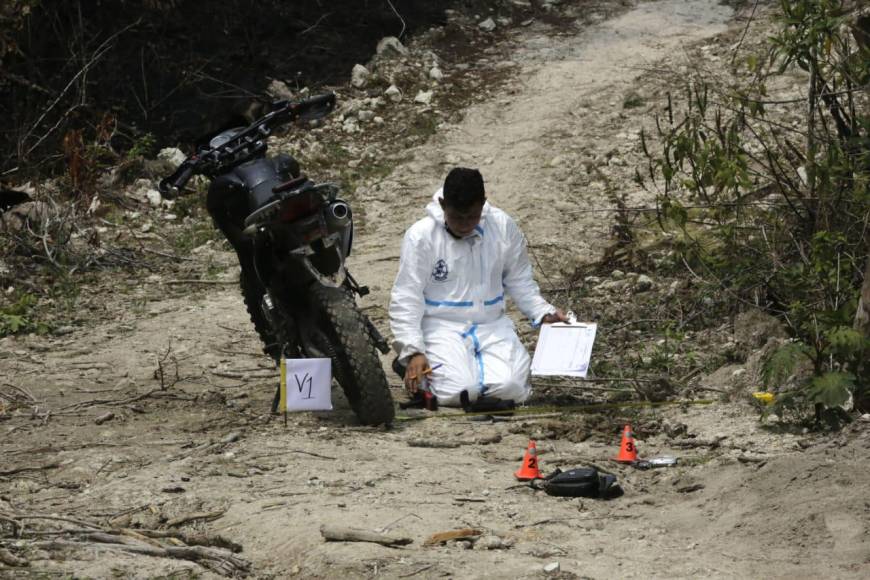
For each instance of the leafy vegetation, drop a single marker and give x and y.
(17, 317)
(775, 214)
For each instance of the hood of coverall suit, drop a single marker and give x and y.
(465, 286)
(433, 209)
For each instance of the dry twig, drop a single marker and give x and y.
(23, 469)
(342, 534)
(187, 518)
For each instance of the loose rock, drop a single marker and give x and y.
(173, 155)
(231, 437)
(487, 25)
(423, 97)
(643, 283)
(359, 76)
(350, 126)
(393, 93)
(492, 543)
(279, 90)
(552, 568)
(104, 418)
(390, 45)
(154, 198)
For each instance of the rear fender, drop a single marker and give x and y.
(326, 265)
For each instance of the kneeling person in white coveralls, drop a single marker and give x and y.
(447, 310)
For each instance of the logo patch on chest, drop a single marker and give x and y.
(440, 271)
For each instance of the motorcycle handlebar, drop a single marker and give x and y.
(208, 160)
(315, 107)
(172, 185)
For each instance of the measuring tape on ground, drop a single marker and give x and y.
(557, 409)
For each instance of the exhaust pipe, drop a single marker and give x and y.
(338, 215)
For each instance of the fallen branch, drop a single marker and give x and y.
(312, 454)
(146, 536)
(50, 518)
(711, 389)
(396, 521)
(28, 398)
(433, 444)
(23, 469)
(444, 537)
(693, 443)
(193, 539)
(691, 488)
(548, 521)
(215, 559)
(108, 416)
(181, 520)
(575, 518)
(339, 534)
(262, 374)
(10, 559)
(417, 571)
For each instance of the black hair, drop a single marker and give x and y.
(463, 188)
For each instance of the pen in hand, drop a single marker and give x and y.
(428, 371)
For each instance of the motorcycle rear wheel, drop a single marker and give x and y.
(252, 293)
(355, 361)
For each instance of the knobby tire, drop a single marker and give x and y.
(356, 364)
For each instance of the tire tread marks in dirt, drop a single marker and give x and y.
(358, 367)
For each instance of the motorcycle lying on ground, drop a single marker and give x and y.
(292, 236)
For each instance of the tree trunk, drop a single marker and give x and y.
(862, 317)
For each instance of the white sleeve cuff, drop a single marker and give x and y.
(409, 350)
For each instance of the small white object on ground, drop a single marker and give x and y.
(487, 25)
(423, 97)
(359, 76)
(552, 568)
(154, 197)
(173, 155)
(391, 45)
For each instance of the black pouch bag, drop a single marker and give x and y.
(581, 482)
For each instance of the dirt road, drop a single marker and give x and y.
(746, 501)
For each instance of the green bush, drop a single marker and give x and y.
(16, 316)
(777, 215)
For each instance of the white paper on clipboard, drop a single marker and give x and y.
(564, 349)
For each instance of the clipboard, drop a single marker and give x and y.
(564, 349)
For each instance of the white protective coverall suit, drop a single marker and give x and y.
(448, 303)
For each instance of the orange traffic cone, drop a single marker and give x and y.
(529, 469)
(627, 449)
